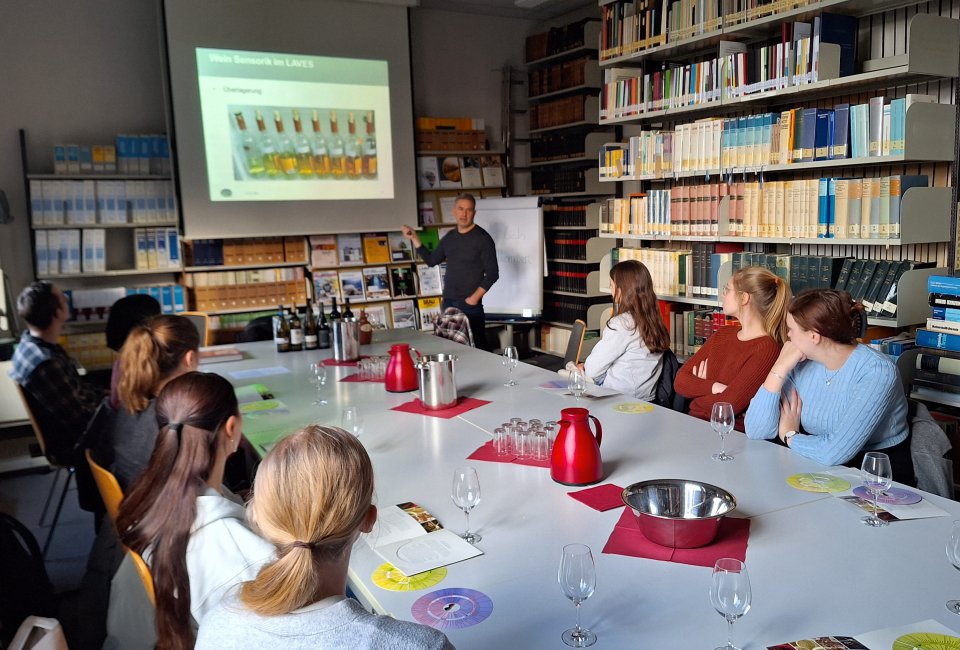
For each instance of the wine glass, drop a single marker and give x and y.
(722, 421)
(577, 384)
(319, 380)
(466, 494)
(350, 420)
(953, 554)
(877, 477)
(730, 593)
(578, 580)
(510, 360)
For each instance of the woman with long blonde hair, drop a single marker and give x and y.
(312, 499)
(733, 362)
(628, 356)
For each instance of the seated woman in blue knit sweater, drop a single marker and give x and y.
(828, 397)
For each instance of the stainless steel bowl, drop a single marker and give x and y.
(678, 513)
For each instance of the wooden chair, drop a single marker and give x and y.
(60, 467)
(112, 496)
(201, 321)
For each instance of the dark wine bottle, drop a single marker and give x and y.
(347, 314)
(282, 335)
(309, 328)
(323, 330)
(334, 314)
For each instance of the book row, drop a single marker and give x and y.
(566, 309)
(631, 26)
(560, 39)
(548, 147)
(562, 276)
(567, 245)
(792, 59)
(846, 208)
(558, 180)
(689, 328)
(459, 172)
(565, 215)
(154, 248)
(239, 252)
(560, 76)
(93, 305)
(247, 295)
(797, 135)
(72, 251)
(57, 203)
(131, 154)
(373, 283)
(558, 112)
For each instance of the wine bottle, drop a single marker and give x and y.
(288, 158)
(338, 162)
(370, 149)
(296, 331)
(302, 148)
(271, 157)
(334, 314)
(347, 313)
(310, 341)
(323, 330)
(282, 335)
(321, 157)
(252, 156)
(351, 149)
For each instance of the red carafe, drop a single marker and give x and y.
(576, 451)
(401, 376)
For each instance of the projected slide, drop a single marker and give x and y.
(283, 127)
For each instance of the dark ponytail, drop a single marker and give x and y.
(159, 511)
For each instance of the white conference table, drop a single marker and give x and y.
(814, 568)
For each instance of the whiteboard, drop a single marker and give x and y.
(516, 225)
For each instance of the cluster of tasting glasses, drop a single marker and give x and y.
(532, 439)
(373, 368)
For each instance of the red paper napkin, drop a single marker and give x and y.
(626, 539)
(463, 405)
(602, 497)
(333, 362)
(488, 453)
(357, 378)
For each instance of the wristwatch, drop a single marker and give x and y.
(788, 435)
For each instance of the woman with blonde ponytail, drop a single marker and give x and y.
(733, 362)
(312, 499)
(179, 517)
(162, 348)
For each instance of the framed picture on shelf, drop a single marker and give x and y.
(375, 282)
(351, 285)
(403, 314)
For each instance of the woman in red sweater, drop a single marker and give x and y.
(733, 363)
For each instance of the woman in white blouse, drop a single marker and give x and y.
(627, 358)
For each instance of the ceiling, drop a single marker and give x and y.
(543, 9)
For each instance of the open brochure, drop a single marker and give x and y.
(856, 497)
(925, 634)
(412, 540)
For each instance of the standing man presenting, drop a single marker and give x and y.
(471, 258)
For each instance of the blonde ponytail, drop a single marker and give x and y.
(151, 355)
(312, 494)
(770, 296)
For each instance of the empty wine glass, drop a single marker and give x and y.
(510, 360)
(953, 554)
(577, 384)
(466, 494)
(578, 580)
(730, 593)
(350, 420)
(877, 477)
(722, 421)
(319, 380)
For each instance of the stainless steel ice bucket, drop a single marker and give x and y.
(346, 339)
(438, 382)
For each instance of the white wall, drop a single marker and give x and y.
(81, 72)
(77, 72)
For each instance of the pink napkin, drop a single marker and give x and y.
(487, 452)
(601, 497)
(333, 362)
(463, 405)
(355, 377)
(626, 539)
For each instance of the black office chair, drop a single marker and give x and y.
(259, 329)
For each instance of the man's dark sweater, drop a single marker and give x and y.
(471, 262)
